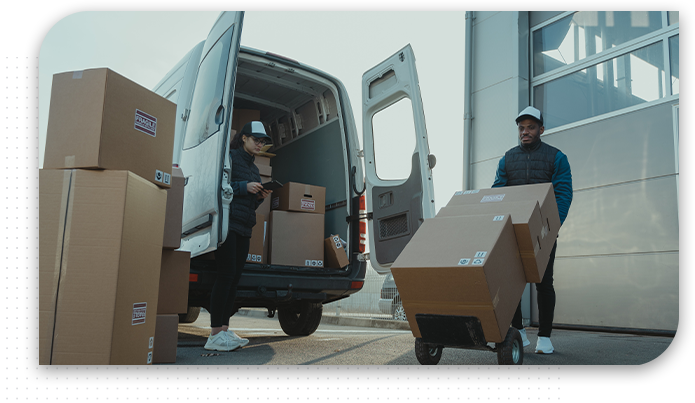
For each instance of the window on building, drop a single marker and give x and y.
(673, 60)
(587, 33)
(587, 64)
(627, 80)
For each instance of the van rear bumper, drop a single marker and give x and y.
(275, 288)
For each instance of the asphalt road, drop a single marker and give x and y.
(334, 344)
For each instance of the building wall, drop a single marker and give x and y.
(617, 256)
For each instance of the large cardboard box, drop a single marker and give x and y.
(257, 251)
(296, 239)
(173, 282)
(300, 197)
(500, 200)
(463, 266)
(100, 254)
(174, 211)
(531, 231)
(100, 119)
(240, 117)
(166, 337)
(335, 255)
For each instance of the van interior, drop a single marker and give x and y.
(300, 112)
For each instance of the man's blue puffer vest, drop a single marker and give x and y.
(526, 166)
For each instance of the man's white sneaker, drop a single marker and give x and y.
(524, 338)
(242, 341)
(221, 342)
(544, 346)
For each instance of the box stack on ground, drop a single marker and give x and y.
(102, 199)
(173, 277)
(476, 256)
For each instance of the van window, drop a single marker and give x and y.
(394, 140)
(207, 98)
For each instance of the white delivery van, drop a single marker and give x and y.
(310, 119)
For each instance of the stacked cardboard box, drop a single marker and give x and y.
(258, 253)
(476, 256)
(534, 215)
(102, 211)
(173, 278)
(296, 225)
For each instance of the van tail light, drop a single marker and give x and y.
(356, 285)
(192, 278)
(363, 236)
(363, 225)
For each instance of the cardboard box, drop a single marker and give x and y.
(531, 234)
(174, 211)
(497, 200)
(296, 239)
(257, 246)
(335, 255)
(264, 208)
(263, 164)
(173, 282)
(463, 266)
(166, 337)
(240, 117)
(101, 248)
(299, 197)
(99, 119)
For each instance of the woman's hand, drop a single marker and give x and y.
(254, 187)
(264, 193)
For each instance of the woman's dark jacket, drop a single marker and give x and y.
(243, 208)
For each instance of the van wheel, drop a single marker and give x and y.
(190, 316)
(301, 318)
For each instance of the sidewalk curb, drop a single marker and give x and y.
(339, 320)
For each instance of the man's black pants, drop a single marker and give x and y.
(546, 301)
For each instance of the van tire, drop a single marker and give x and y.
(301, 318)
(190, 316)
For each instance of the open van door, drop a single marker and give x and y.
(205, 146)
(398, 206)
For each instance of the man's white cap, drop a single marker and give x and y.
(530, 112)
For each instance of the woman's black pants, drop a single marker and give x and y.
(230, 258)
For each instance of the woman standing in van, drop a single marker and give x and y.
(230, 257)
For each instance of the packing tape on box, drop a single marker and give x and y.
(307, 191)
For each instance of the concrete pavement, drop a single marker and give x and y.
(363, 341)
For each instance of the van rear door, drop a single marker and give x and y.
(206, 138)
(398, 206)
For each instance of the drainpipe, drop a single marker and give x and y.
(467, 116)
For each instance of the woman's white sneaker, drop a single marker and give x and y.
(544, 346)
(234, 336)
(221, 342)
